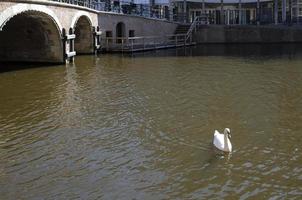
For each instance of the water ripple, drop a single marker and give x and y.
(114, 127)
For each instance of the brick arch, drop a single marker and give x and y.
(78, 15)
(30, 33)
(17, 9)
(82, 26)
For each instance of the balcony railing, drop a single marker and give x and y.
(124, 7)
(86, 3)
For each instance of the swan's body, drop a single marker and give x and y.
(222, 140)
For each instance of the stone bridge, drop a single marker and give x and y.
(46, 31)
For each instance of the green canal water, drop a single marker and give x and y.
(141, 126)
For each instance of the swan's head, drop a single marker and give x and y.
(227, 131)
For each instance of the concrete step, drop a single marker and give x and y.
(182, 29)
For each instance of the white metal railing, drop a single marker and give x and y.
(86, 3)
(199, 20)
(124, 6)
(153, 42)
(131, 44)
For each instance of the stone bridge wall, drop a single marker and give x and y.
(141, 26)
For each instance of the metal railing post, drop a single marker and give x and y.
(122, 44)
(154, 44)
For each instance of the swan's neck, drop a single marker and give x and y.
(226, 143)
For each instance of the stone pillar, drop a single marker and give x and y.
(120, 7)
(170, 10)
(228, 17)
(185, 11)
(151, 7)
(240, 12)
(276, 9)
(221, 12)
(283, 11)
(258, 12)
(290, 4)
(111, 5)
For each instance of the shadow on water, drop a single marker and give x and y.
(259, 51)
(232, 50)
(14, 66)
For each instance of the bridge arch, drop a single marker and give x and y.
(82, 26)
(31, 33)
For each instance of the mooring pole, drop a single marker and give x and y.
(68, 45)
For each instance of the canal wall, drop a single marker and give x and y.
(248, 34)
(139, 26)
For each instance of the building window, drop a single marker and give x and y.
(108, 34)
(131, 33)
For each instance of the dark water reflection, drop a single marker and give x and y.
(140, 126)
(260, 51)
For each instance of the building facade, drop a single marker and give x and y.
(216, 11)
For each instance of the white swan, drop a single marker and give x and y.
(222, 141)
